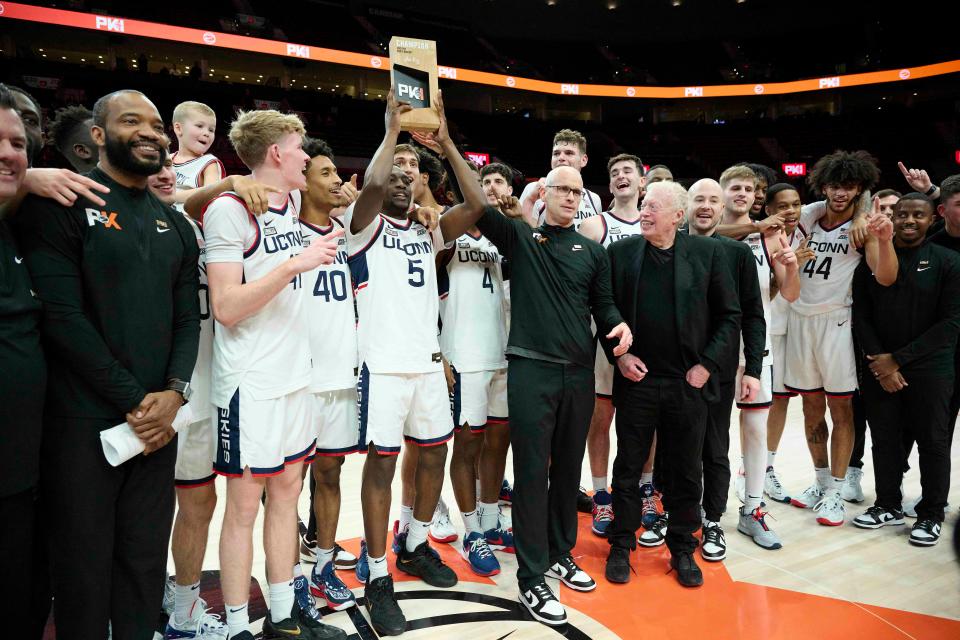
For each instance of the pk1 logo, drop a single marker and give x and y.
(411, 91)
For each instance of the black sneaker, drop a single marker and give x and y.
(876, 516)
(571, 575)
(286, 628)
(542, 604)
(385, 614)
(714, 547)
(426, 565)
(656, 534)
(925, 533)
(243, 635)
(618, 565)
(688, 573)
(584, 502)
(312, 628)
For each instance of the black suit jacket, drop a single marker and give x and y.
(707, 305)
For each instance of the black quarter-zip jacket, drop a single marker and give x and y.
(558, 279)
(119, 288)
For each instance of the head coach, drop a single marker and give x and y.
(121, 325)
(559, 279)
(679, 300)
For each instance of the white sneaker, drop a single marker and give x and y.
(831, 511)
(773, 488)
(201, 624)
(754, 524)
(740, 486)
(876, 517)
(851, 491)
(714, 546)
(809, 498)
(543, 605)
(441, 529)
(567, 571)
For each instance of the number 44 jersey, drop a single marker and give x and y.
(393, 265)
(826, 282)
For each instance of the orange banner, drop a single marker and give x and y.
(111, 24)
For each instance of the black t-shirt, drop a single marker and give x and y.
(24, 372)
(657, 343)
(944, 239)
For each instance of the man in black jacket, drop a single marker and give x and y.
(121, 326)
(908, 332)
(679, 300)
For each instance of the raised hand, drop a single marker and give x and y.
(774, 222)
(785, 255)
(916, 178)
(510, 206)
(395, 109)
(879, 225)
(349, 190)
(804, 253)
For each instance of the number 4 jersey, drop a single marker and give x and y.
(394, 273)
(826, 282)
(333, 321)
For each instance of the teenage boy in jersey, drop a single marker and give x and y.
(622, 221)
(569, 150)
(402, 387)
(119, 289)
(820, 354)
(195, 125)
(909, 333)
(261, 372)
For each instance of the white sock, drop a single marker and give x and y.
(471, 522)
(823, 477)
(599, 483)
(770, 456)
(753, 431)
(750, 502)
(646, 478)
(489, 515)
(281, 600)
(378, 567)
(406, 515)
(323, 557)
(741, 470)
(417, 533)
(184, 597)
(478, 488)
(836, 484)
(238, 619)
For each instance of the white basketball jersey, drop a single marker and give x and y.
(826, 282)
(265, 352)
(759, 249)
(779, 307)
(616, 229)
(333, 321)
(189, 172)
(473, 333)
(393, 265)
(589, 206)
(200, 381)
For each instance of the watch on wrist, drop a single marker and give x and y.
(932, 190)
(180, 386)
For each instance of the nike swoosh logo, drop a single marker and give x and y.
(840, 324)
(267, 224)
(17, 259)
(923, 269)
(159, 230)
(236, 610)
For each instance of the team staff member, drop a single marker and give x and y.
(678, 296)
(909, 335)
(121, 324)
(21, 395)
(559, 278)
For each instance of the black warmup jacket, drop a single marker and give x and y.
(916, 319)
(558, 279)
(119, 288)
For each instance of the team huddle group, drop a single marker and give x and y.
(328, 320)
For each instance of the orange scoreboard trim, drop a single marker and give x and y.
(113, 24)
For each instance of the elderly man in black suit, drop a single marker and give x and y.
(679, 300)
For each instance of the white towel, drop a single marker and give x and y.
(120, 443)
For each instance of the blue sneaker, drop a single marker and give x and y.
(201, 625)
(506, 493)
(500, 539)
(478, 555)
(362, 570)
(652, 507)
(303, 600)
(399, 538)
(602, 513)
(327, 585)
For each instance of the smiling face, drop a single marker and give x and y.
(567, 154)
(738, 196)
(625, 179)
(787, 203)
(324, 184)
(660, 214)
(410, 165)
(163, 183)
(704, 207)
(759, 196)
(841, 198)
(196, 132)
(911, 219)
(132, 138)
(396, 202)
(13, 153)
(495, 185)
(292, 160)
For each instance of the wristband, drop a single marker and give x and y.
(932, 190)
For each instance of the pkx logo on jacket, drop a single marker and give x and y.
(107, 219)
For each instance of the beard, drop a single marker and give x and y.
(120, 155)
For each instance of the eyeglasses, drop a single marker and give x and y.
(564, 190)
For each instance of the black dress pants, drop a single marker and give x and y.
(677, 413)
(923, 408)
(716, 447)
(110, 528)
(17, 537)
(550, 409)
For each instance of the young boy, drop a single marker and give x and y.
(195, 125)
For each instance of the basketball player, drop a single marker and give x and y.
(196, 495)
(261, 373)
(782, 200)
(70, 132)
(402, 387)
(820, 354)
(569, 150)
(765, 178)
(195, 125)
(621, 221)
(776, 266)
(333, 384)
